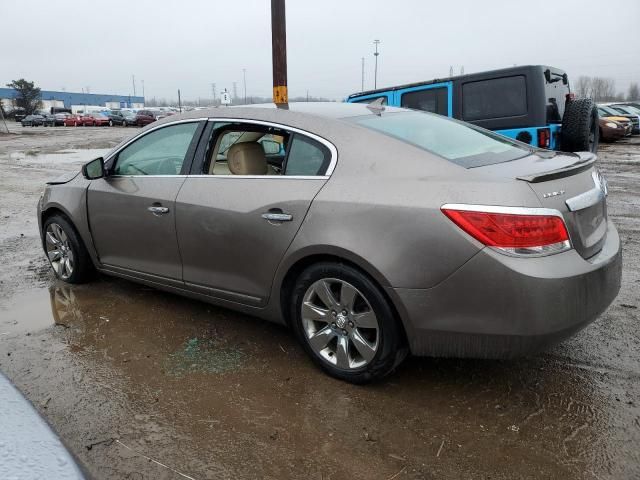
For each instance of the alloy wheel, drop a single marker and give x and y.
(59, 251)
(340, 324)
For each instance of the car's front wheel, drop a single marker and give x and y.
(345, 323)
(66, 252)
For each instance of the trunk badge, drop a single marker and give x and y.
(553, 194)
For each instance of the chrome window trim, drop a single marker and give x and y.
(256, 177)
(330, 146)
(503, 209)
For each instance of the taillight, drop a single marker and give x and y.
(512, 230)
(544, 137)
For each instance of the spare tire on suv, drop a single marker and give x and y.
(580, 132)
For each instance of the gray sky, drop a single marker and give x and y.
(193, 43)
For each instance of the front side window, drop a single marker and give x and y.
(433, 100)
(455, 141)
(494, 98)
(160, 152)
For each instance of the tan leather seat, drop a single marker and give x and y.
(247, 158)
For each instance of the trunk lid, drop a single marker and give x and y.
(569, 183)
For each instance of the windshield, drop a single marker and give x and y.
(460, 143)
(610, 111)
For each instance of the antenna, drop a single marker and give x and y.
(377, 106)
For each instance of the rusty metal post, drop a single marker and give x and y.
(279, 51)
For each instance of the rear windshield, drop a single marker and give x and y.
(460, 143)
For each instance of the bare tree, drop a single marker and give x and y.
(634, 92)
(583, 87)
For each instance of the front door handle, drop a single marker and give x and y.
(157, 210)
(277, 215)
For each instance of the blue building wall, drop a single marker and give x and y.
(70, 98)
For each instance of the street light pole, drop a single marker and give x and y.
(244, 80)
(375, 72)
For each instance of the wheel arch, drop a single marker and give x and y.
(336, 255)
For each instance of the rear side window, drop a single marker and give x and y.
(433, 100)
(495, 98)
(307, 157)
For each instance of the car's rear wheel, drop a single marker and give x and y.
(345, 323)
(66, 252)
(580, 131)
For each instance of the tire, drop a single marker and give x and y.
(339, 326)
(69, 247)
(580, 132)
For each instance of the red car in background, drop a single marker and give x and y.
(144, 117)
(95, 120)
(73, 121)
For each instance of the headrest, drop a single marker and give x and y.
(247, 159)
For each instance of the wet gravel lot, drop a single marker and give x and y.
(142, 384)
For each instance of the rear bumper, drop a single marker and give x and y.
(497, 306)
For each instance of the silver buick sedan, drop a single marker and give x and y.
(371, 232)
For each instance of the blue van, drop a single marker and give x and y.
(532, 104)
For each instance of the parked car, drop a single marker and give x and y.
(55, 120)
(31, 449)
(116, 117)
(622, 119)
(531, 103)
(73, 121)
(18, 113)
(630, 112)
(426, 235)
(129, 119)
(32, 121)
(99, 120)
(144, 117)
(610, 131)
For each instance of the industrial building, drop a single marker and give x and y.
(76, 101)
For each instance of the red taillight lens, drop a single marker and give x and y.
(544, 137)
(511, 231)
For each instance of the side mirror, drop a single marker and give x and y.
(94, 169)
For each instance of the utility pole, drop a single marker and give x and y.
(244, 80)
(307, 95)
(279, 51)
(375, 74)
(451, 70)
(235, 91)
(213, 92)
(362, 87)
(179, 102)
(133, 80)
(142, 88)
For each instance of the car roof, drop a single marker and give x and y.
(327, 110)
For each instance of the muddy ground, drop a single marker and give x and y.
(147, 385)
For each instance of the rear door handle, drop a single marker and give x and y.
(156, 210)
(277, 215)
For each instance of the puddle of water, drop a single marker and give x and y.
(26, 312)
(61, 156)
